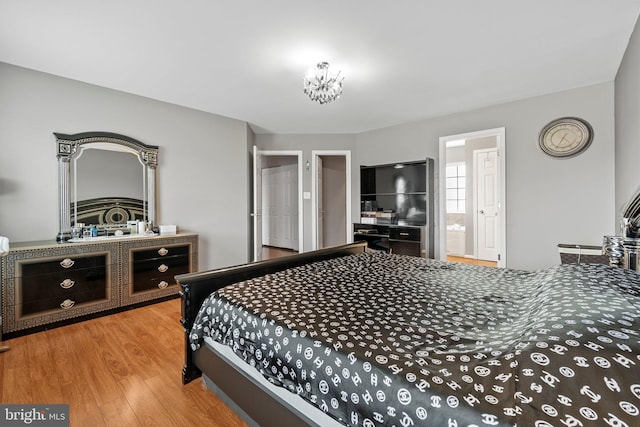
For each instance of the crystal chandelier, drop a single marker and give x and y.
(323, 85)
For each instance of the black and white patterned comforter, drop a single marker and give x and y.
(378, 339)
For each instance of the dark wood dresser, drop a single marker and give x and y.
(46, 284)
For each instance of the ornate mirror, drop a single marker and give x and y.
(103, 179)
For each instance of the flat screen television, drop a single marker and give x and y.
(400, 189)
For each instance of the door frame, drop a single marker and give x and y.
(315, 154)
(257, 239)
(499, 133)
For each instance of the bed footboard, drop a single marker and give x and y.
(196, 287)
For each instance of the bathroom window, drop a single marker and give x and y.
(456, 178)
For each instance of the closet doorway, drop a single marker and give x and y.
(277, 202)
(331, 198)
(472, 224)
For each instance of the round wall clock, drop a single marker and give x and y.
(565, 137)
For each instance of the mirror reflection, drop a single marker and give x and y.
(108, 187)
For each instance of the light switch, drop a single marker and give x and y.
(306, 195)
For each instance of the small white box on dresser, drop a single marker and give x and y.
(167, 229)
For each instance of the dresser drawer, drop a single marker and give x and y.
(152, 264)
(62, 301)
(34, 288)
(61, 284)
(62, 266)
(161, 252)
(412, 234)
(158, 273)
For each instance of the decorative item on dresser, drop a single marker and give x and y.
(46, 284)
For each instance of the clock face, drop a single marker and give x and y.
(565, 137)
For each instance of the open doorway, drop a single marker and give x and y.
(472, 194)
(277, 203)
(331, 198)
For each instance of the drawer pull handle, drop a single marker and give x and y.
(67, 262)
(67, 284)
(163, 268)
(67, 304)
(163, 251)
(163, 284)
(404, 234)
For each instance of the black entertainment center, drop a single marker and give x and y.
(397, 239)
(396, 208)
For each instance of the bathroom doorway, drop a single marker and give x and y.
(472, 194)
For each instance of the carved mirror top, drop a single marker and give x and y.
(68, 145)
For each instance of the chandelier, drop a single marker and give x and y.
(323, 85)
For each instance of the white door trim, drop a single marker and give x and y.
(293, 153)
(441, 234)
(256, 214)
(314, 192)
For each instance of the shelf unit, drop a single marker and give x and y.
(397, 207)
(397, 239)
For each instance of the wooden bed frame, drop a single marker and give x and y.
(242, 390)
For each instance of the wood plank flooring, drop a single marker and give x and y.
(270, 252)
(119, 370)
(472, 261)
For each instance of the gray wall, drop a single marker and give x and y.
(548, 201)
(204, 168)
(627, 107)
(202, 174)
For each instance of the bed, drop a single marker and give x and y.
(347, 336)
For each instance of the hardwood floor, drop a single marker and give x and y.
(270, 252)
(472, 261)
(119, 370)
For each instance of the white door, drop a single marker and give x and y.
(487, 203)
(280, 206)
(257, 204)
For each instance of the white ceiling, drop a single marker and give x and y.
(402, 60)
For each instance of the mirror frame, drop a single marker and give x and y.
(68, 147)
